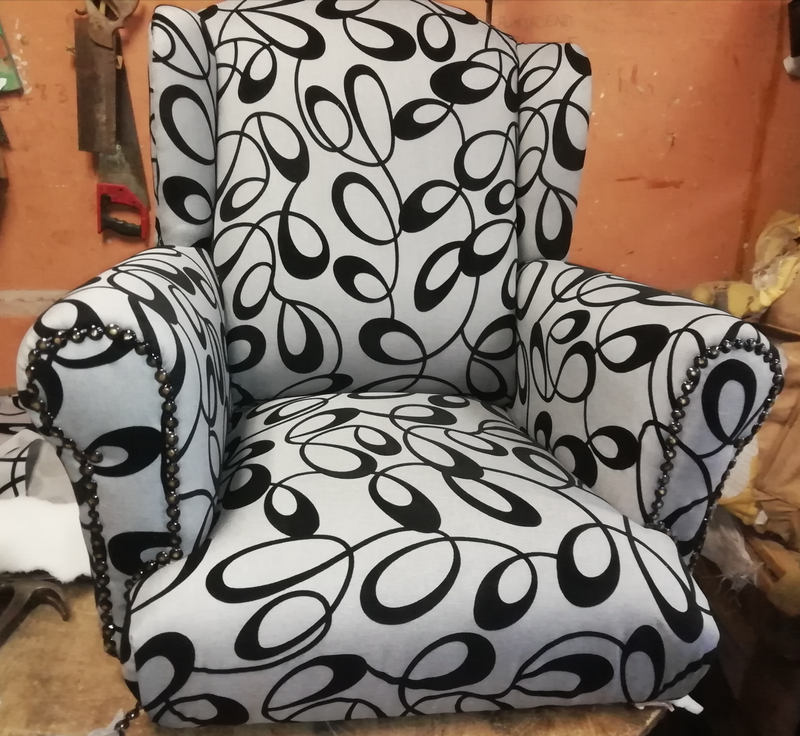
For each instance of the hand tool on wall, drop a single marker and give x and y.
(121, 174)
(9, 78)
(106, 125)
(9, 82)
(792, 62)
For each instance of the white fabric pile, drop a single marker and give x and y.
(39, 522)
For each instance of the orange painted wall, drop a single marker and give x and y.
(695, 136)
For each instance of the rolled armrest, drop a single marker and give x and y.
(128, 373)
(647, 397)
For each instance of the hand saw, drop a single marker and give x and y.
(106, 124)
(121, 174)
(9, 82)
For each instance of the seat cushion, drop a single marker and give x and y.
(385, 555)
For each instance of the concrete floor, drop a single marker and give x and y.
(55, 680)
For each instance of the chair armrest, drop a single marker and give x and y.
(128, 373)
(647, 397)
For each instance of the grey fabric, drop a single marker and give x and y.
(16, 457)
(13, 417)
(601, 362)
(183, 127)
(555, 97)
(105, 397)
(385, 555)
(364, 228)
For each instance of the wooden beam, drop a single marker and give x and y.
(26, 302)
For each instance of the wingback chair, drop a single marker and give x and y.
(353, 440)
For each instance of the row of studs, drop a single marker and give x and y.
(122, 725)
(45, 349)
(679, 412)
(770, 355)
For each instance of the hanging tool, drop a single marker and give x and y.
(106, 124)
(9, 77)
(9, 82)
(121, 174)
(96, 52)
(96, 70)
(792, 62)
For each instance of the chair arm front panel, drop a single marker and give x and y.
(128, 373)
(647, 397)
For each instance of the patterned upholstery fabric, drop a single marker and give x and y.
(183, 127)
(360, 210)
(14, 456)
(385, 555)
(555, 95)
(345, 191)
(589, 341)
(341, 264)
(166, 308)
(13, 417)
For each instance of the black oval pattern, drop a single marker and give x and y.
(324, 215)
(648, 396)
(364, 179)
(408, 551)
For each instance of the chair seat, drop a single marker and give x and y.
(385, 554)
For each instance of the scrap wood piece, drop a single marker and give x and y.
(776, 558)
(779, 579)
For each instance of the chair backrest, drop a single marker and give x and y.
(353, 169)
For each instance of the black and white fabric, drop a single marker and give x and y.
(13, 417)
(365, 226)
(103, 396)
(288, 425)
(14, 455)
(393, 554)
(183, 127)
(39, 523)
(555, 96)
(601, 361)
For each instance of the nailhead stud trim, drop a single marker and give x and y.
(700, 362)
(46, 349)
(122, 725)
